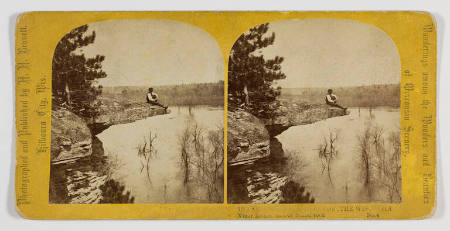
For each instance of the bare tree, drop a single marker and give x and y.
(202, 152)
(214, 165)
(183, 141)
(146, 152)
(394, 173)
(379, 150)
(328, 152)
(390, 168)
(199, 147)
(380, 163)
(364, 149)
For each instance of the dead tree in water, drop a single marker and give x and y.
(364, 148)
(199, 148)
(146, 152)
(378, 143)
(328, 152)
(387, 161)
(202, 160)
(214, 166)
(380, 163)
(393, 171)
(185, 157)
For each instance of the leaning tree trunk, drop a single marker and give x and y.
(67, 92)
(246, 95)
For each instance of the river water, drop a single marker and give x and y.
(295, 157)
(159, 182)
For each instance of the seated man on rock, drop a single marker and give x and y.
(152, 98)
(331, 100)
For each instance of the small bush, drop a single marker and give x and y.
(114, 193)
(293, 192)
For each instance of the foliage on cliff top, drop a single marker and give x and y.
(251, 75)
(74, 75)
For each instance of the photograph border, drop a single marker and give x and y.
(37, 34)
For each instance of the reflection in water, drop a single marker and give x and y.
(201, 155)
(114, 173)
(295, 167)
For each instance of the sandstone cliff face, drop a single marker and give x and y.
(71, 138)
(248, 139)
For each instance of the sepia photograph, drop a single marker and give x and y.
(314, 114)
(224, 115)
(137, 114)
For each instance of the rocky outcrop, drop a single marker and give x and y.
(290, 114)
(121, 114)
(248, 139)
(71, 138)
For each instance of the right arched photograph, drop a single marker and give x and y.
(314, 114)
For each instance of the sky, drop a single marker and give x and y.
(155, 52)
(333, 53)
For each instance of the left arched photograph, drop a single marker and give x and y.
(137, 115)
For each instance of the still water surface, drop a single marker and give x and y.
(115, 156)
(294, 156)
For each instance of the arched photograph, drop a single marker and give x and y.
(137, 114)
(314, 114)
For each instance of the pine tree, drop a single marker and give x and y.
(73, 74)
(250, 75)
